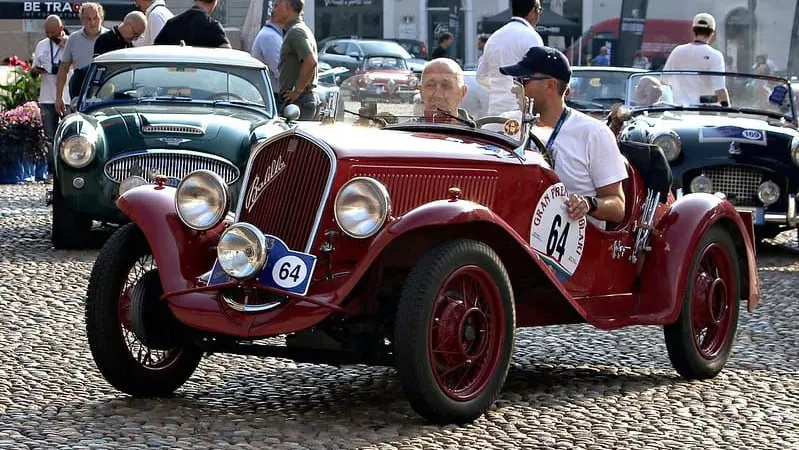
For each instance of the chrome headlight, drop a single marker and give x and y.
(77, 151)
(362, 207)
(669, 142)
(413, 82)
(368, 79)
(795, 150)
(768, 193)
(202, 200)
(242, 251)
(702, 184)
(130, 183)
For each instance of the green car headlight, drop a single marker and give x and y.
(77, 151)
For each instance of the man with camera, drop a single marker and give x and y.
(46, 61)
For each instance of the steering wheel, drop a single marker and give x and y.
(224, 96)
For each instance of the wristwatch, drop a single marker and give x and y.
(593, 203)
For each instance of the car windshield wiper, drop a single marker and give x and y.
(469, 123)
(165, 97)
(240, 102)
(378, 120)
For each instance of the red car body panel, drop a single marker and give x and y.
(498, 190)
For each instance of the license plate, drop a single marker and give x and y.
(285, 269)
(172, 181)
(758, 215)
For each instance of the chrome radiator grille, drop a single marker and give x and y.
(739, 184)
(172, 163)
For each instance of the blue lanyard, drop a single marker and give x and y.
(563, 116)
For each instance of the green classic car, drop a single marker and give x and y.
(156, 110)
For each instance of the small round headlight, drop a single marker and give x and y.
(702, 184)
(670, 144)
(130, 183)
(768, 193)
(77, 151)
(362, 207)
(202, 200)
(242, 251)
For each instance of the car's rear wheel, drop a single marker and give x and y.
(132, 335)
(70, 229)
(455, 331)
(700, 342)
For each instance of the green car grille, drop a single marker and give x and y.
(171, 163)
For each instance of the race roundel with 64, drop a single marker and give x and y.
(559, 240)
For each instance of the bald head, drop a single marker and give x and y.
(133, 25)
(442, 86)
(53, 27)
(648, 91)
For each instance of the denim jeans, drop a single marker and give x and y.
(49, 123)
(308, 103)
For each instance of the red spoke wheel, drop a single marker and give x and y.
(127, 324)
(455, 331)
(700, 342)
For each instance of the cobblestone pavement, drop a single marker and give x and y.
(570, 387)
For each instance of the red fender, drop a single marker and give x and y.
(448, 212)
(674, 242)
(181, 253)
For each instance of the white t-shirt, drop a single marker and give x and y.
(505, 47)
(694, 56)
(586, 156)
(157, 15)
(41, 58)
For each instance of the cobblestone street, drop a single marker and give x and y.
(569, 386)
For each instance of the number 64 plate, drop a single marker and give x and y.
(285, 269)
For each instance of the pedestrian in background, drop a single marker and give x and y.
(157, 15)
(603, 58)
(266, 47)
(641, 61)
(46, 61)
(122, 35)
(444, 43)
(78, 52)
(699, 56)
(481, 43)
(505, 47)
(195, 27)
(297, 71)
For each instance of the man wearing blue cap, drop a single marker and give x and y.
(582, 150)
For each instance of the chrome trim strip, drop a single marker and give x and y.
(189, 153)
(328, 186)
(245, 308)
(174, 128)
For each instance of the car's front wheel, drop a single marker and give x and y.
(132, 335)
(700, 342)
(455, 331)
(70, 229)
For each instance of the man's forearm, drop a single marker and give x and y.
(306, 74)
(610, 209)
(61, 80)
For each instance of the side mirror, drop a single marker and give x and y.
(291, 113)
(354, 55)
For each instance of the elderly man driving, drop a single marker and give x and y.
(648, 91)
(443, 90)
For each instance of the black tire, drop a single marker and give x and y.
(414, 325)
(70, 229)
(684, 351)
(104, 330)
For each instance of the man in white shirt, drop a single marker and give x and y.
(582, 150)
(266, 47)
(157, 14)
(697, 56)
(46, 61)
(507, 46)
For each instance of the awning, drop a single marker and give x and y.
(68, 11)
(550, 24)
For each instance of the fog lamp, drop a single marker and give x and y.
(702, 184)
(242, 251)
(768, 193)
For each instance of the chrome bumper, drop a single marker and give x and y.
(761, 217)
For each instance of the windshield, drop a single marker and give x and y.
(597, 89)
(438, 98)
(180, 82)
(749, 94)
(384, 63)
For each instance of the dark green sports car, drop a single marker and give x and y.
(156, 110)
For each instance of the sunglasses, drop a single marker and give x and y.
(524, 80)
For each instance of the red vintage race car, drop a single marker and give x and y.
(421, 243)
